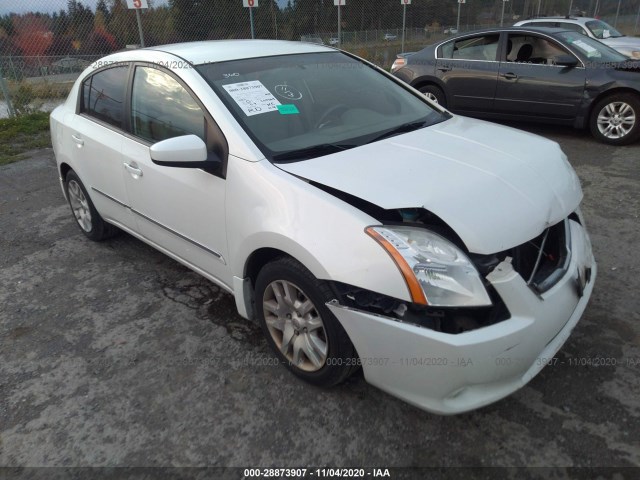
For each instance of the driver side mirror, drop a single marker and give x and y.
(186, 151)
(565, 60)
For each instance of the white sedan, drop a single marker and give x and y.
(446, 257)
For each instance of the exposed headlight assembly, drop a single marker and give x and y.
(437, 272)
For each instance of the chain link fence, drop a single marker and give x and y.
(45, 44)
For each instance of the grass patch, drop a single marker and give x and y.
(21, 134)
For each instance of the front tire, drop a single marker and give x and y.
(298, 326)
(85, 213)
(616, 119)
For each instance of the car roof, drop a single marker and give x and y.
(210, 51)
(526, 28)
(579, 20)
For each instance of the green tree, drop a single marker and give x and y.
(104, 9)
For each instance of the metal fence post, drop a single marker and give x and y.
(140, 27)
(615, 22)
(13, 70)
(404, 22)
(5, 93)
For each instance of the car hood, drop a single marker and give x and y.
(618, 42)
(496, 186)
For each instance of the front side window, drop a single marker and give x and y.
(533, 49)
(484, 47)
(161, 108)
(103, 95)
(296, 107)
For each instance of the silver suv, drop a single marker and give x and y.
(591, 27)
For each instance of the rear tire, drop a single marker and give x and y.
(85, 213)
(435, 94)
(298, 326)
(616, 119)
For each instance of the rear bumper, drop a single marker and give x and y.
(448, 374)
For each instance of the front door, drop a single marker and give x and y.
(181, 210)
(529, 84)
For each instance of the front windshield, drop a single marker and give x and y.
(602, 29)
(594, 50)
(296, 107)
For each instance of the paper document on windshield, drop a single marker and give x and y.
(591, 52)
(252, 97)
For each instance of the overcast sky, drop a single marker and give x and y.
(23, 6)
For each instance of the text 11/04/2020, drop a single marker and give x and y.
(316, 472)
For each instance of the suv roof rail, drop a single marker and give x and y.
(568, 17)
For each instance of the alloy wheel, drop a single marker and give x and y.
(79, 205)
(431, 97)
(616, 120)
(295, 325)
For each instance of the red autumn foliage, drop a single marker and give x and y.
(32, 34)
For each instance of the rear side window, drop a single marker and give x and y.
(103, 95)
(483, 47)
(446, 50)
(161, 108)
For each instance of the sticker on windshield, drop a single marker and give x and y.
(289, 109)
(591, 52)
(252, 97)
(287, 92)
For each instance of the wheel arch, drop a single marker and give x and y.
(64, 169)
(259, 258)
(425, 81)
(244, 279)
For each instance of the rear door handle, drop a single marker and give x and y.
(509, 76)
(136, 172)
(444, 69)
(79, 141)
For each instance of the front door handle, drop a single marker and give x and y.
(444, 68)
(135, 171)
(509, 76)
(79, 141)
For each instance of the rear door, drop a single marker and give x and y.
(468, 67)
(97, 132)
(530, 85)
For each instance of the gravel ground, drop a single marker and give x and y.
(112, 354)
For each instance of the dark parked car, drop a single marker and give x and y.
(524, 73)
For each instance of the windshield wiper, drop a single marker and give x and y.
(311, 152)
(404, 128)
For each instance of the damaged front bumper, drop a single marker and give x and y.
(446, 373)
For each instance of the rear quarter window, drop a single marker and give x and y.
(103, 95)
